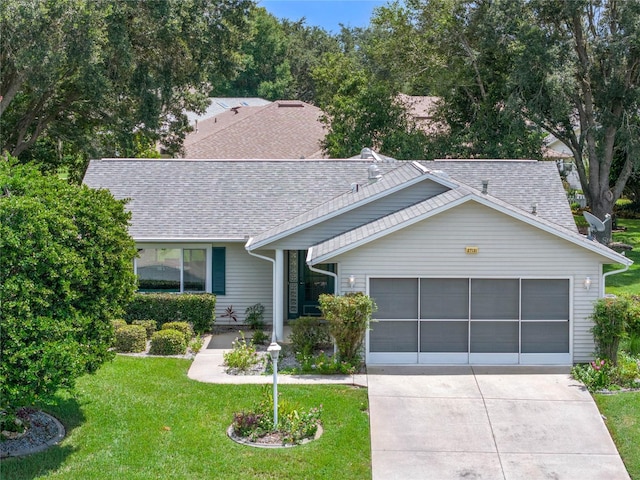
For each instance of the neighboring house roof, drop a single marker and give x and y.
(282, 129)
(219, 105)
(423, 109)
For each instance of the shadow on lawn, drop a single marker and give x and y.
(68, 411)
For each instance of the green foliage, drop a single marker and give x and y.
(309, 334)
(131, 339)
(185, 328)
(118, 323)
(254, 316)
(277, 58)
(602, 374)
(195, 345)
(196, 309)
(81, 78)
(595, 375)
(362, 113)
(65, 274)
(348, 318)
(632, 344)
(627, 372)
(294, 424)
(14, 422)
(610, 318)
(259, 338)
(322, 364)
(243, 356)
(149, 325)
(168, 342)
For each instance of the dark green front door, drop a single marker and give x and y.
(306, 286)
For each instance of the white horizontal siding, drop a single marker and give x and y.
(507, 248)
(248, 281)
(360, 216)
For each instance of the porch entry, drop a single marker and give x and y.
(306, 286)
(470, 321)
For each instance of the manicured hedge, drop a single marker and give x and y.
(196, 309)
(168, 342)
(131, 338)
(149, 325)
(182, 327)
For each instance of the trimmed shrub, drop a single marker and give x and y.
(118, 323)
(348, 318)
(309, 334)
(196, 309)
(183, 327)
(611, 315)
(149, 325)
(131, 339)
(168, 342)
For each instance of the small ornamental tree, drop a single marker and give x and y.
(610, 316)
(65, 274)
(348, 318)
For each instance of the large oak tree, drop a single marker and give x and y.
(81, 78)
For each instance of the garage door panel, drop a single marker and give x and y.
(494, 337)
(444, 298)
(546, 299)
(395, 297)
(444, 336)
(395, 336)
(495, 299)
(545, 337)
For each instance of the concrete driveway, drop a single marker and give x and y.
(486, 423)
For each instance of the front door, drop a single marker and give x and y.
(306, 286)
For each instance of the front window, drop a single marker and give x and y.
(171, 269)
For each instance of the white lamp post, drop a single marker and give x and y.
(274, 352)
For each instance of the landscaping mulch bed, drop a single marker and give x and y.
(43, 432)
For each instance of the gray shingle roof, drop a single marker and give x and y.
(235, 199)
(521, 183)
(404, 173)
(221, 199)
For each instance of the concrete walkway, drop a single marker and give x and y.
(486, 423)
(208, 367)
(441, 423)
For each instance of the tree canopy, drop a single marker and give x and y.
(80, 78)
(509, 72)
(65, 273)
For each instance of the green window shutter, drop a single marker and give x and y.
(218, 270)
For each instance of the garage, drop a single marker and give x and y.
(501, 321)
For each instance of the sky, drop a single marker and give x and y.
(327, 14)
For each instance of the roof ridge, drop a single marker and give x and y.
(227, 113)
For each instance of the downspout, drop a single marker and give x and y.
(324, 272)
(613, 272)
(335, 288)
(273, 261)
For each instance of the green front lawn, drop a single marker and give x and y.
(142, 418)
(623, 420)
(629, 281)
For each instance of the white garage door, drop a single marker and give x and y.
(470, 320)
